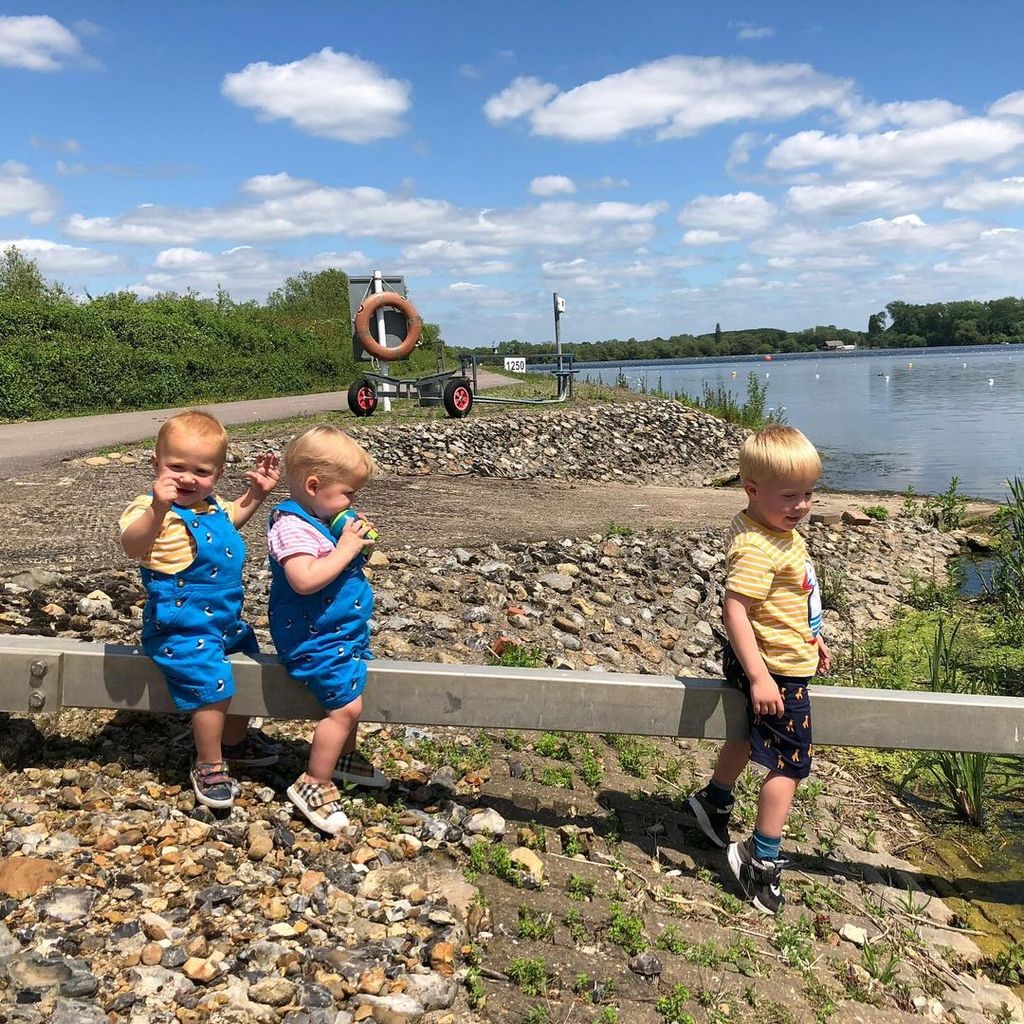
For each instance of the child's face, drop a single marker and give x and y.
(328, 497)
(780, 504)
(193, 463)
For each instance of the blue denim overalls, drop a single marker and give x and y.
(322, 638)
(193, 619)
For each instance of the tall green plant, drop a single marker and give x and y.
(963, 777)
(1009, 572)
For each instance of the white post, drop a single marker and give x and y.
(378, 286)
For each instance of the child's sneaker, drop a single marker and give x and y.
(251, 751)
(711, 819)
(760, 880)
(354, 768)
(213, 784)
(321, 804)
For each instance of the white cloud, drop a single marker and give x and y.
(988, 195)
(608, 181)
(862, 116)
(748, 30)
(245, 271)
(334, 95)
(365, 212)
(21, 194)
(908, 151)
(56, 258)
(552, 185)
(702, 237)
(281, 184)
(523, 95)
(677, 96)
(36, 43)
(728, 216)
(1010, 105)
(860, 196)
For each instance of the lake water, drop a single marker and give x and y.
(883, 420)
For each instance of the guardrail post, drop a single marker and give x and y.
(31, 682)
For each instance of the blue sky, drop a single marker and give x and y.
(663, 166)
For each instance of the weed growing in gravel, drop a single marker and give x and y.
(553, 744)
(475, 995)
(625, 930)
(533, 924)
(877, 512)
(818, 897)
(462, 758)
(609, 1015)
(636, 755)
(793, 941)
(880, 962)
(537, 1015)
(531, 974)
(591, 769)
(821, 999)
(572, 845)
(671, 1006)
(518, 656)
(1008, 966)
(488, 859)
(577, 929)
(514, 740)
(581, 889)
(559, 776)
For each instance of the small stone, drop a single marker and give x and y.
(529, 862)
(273, 991)
(485, 820)
(854, 934)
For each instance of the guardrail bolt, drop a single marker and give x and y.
(36, 701)
(38, 669)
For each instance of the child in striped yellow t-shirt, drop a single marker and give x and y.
(772, 615)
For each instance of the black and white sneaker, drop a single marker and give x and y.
(760, 880)
(711, 819)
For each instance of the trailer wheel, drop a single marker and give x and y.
(457, 398)
(362, 397)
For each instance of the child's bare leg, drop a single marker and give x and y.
(773, 804)
(732, 759)
(234, 729)
(208, 731)
(335, 734)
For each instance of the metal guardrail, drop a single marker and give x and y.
(41, 675)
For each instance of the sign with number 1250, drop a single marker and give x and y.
(516, 364)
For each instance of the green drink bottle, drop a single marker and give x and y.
(345, 516)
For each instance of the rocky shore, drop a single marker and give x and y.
(501, 877)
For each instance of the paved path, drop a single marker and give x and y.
(27, 445)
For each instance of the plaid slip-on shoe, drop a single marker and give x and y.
(320, 804)
(355, 769)
(213, 784)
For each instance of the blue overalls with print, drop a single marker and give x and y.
(322, 638)
(193, 619)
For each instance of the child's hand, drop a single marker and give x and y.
(165, 490)
(824, 658)
(353, 538)
(766, 697)
(264, 478)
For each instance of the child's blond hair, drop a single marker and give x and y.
(776, 453)
(329, 454)
(199, 424)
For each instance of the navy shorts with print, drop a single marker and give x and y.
(781, 744)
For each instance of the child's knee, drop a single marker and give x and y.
(348, 713)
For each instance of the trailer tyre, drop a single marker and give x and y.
(457, 398)
(362, 397)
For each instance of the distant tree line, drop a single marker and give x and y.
(899, 325)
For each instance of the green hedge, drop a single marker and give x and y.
(116, 353)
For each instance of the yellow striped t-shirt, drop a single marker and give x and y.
(772, 568)
(173, 550)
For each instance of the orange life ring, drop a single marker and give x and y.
(366, 339)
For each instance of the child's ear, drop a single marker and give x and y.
(154, 462)
(312, 485)
(751, 488)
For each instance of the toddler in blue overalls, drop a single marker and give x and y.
(320, 606)
(191, 556)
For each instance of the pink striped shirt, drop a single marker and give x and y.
(290, 535)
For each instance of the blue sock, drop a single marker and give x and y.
(719, 795)
(766, 847)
